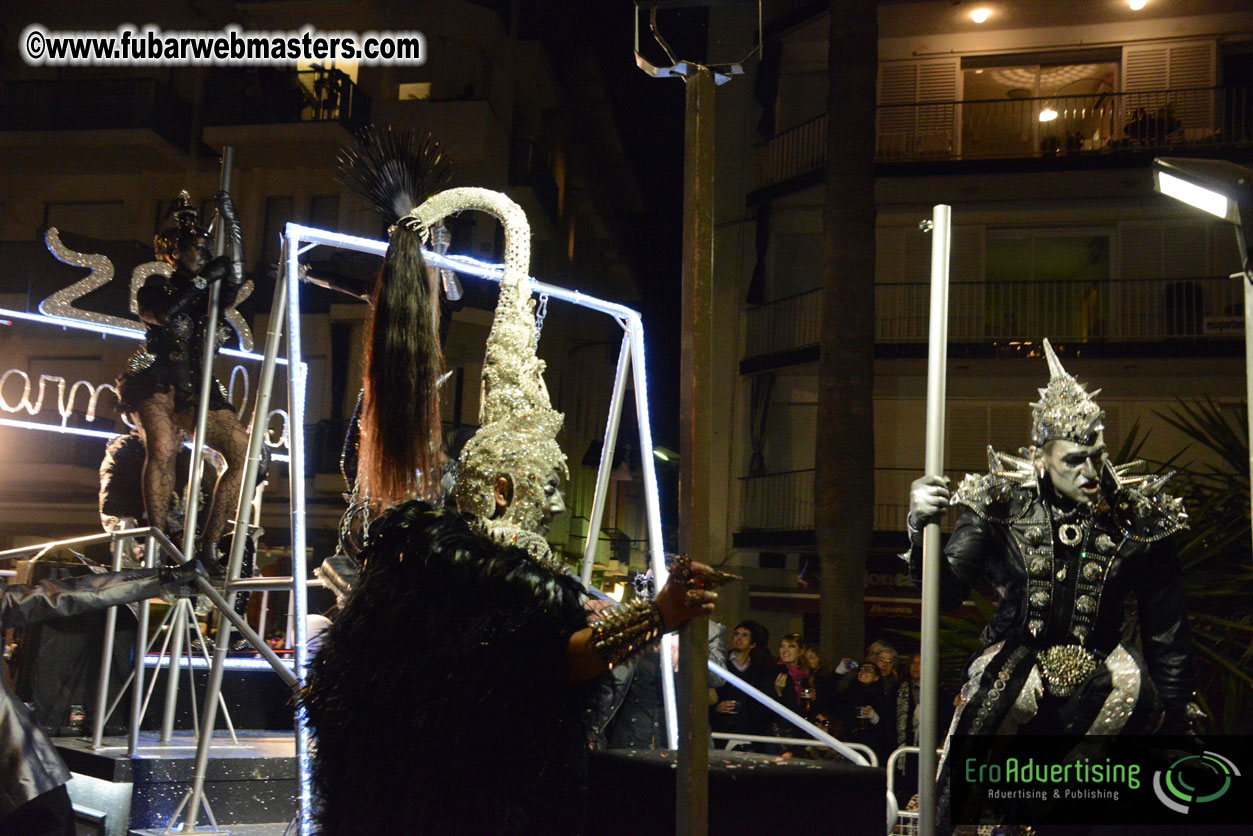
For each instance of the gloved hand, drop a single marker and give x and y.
(234, 238)
(179, 581)
(928, 500)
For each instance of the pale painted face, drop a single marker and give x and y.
(554, 502)
(789, 651)
(1074, 469)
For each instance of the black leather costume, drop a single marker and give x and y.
(173, 310)
(1052, 594)
(29, 765)
(1052, 658)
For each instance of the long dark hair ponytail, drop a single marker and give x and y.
(400, 425)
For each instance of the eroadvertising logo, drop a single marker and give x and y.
(1174, 787)
(1097, 780)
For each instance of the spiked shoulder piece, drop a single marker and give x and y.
(1143, 511)
(1002, 495)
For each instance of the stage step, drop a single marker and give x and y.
(252, 782)
(275, 829)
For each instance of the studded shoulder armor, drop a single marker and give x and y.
(1002, 495)
(1142, 510)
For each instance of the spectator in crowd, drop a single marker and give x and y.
(866, 712)
(751, 662)
(885, 659)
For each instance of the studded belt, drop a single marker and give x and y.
(1064, 666)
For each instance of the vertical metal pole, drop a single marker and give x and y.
(192, 507)
(256, 437)
(937, 361)
(141, 650)
(106, 658)
(296, 370)
(1247, 280)
(606, 458)
(695, 415)
(652, 511)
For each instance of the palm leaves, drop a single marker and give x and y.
(1216, 552)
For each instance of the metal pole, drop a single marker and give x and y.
(296, 370)
(106, 659)
(652, 512)
(141, 651)
(937, 357)
(695, 415)
(606, 458)
(256, 437)
(192, 506)
(1247, 280)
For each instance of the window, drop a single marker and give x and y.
(1047, 283)
(1037, 104)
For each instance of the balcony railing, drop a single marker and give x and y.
(265, 95)
(101, 103)
(785, 501)
(785, 324)
(527, 167)
(1112, 311)
(778, 501)
(1012, 128)
(1149, 310)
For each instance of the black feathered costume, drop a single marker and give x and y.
(439, 701)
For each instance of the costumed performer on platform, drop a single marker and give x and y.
(161, 381)
(33, 798)
(1065, 537)
(451, 695)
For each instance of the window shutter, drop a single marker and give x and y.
(916, 107)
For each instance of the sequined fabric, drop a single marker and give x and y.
(518, 431)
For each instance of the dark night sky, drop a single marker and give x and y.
(649, 114)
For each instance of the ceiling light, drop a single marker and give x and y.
(980, 15)
(1048, 114)
(1137, 5)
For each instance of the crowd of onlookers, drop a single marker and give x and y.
(872, 701)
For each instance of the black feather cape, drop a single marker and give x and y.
(438, 701)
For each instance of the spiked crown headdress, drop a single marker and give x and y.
(518, 431)
(1065, 410)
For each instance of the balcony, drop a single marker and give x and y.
(1084, 127)
(783, 504)
(1206, 310)
(529, 169)
(123, 120)
(267, 113)
(1126, 311)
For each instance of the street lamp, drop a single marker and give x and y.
(1224, 190)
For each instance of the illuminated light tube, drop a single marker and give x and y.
(1206, 200)
(57, 428)
(112, 331)
(105, 434)
(153, 660)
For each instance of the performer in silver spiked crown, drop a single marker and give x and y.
(1065, 537)
(451, 694)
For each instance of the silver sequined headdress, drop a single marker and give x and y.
(1065, 410)
(518, 432)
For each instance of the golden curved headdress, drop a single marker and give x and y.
(1065, 410)
(518, 432)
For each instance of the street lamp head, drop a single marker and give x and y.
(1221, 188)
